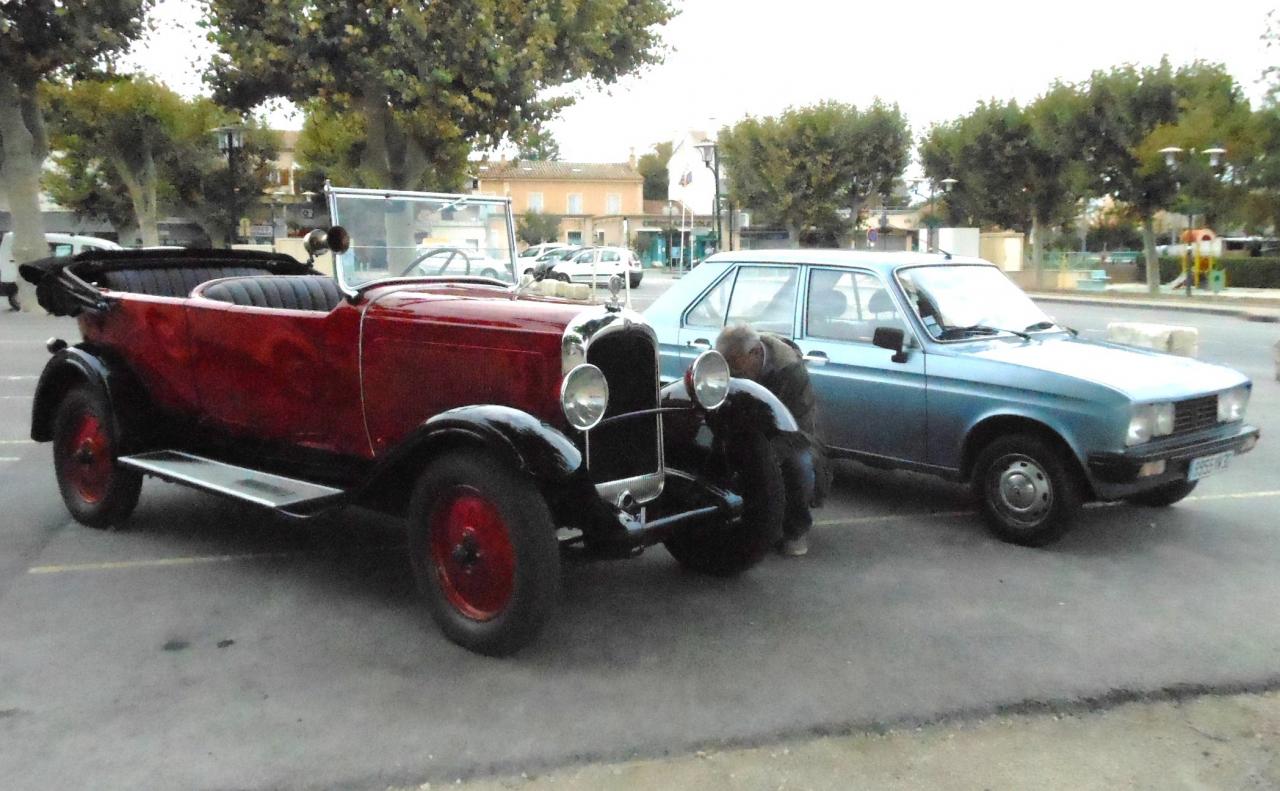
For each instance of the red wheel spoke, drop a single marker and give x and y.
(472, 554)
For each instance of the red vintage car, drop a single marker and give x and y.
(508, 428)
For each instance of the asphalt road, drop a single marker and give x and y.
(210, 646)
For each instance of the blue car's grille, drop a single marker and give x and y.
(1195, 414)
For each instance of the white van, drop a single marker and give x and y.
(60, 244)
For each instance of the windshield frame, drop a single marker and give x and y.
(1005, 332)
(332, 194)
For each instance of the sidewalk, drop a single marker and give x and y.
(1201, 742)
(1251, 304)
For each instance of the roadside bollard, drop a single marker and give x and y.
(1168, 338)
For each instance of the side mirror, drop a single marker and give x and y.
(893, 339)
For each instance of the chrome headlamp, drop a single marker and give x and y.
(1150, 420)
(707, 380)
(1231, 404)
(584, 396)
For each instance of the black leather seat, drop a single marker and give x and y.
(174, 281)
(286, 292)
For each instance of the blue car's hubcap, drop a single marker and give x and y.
(1022, 488)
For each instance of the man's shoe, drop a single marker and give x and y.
(795, 547)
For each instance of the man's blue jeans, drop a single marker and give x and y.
(799, 478)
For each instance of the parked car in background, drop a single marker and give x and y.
(536, 251)
(58, 244)
(442, 261)
(943, 365)
(598, 264)
(505, 427)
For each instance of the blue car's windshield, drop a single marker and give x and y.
(969, 300)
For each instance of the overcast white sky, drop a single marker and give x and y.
(731, 58)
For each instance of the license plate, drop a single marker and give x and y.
(1205, 466)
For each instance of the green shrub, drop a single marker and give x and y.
(1241, 272)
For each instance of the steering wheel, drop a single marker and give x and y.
(450, 252)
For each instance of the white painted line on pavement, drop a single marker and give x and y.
(156, 562)
(8, 458)
(16, 398)
(18, 378)
(1236, 496)
(17, 442)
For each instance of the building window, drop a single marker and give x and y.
(599, 237)
(613, 203)
(574, 203)
(535, 201)
(575, 237)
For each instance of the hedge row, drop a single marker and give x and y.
(1241, 272)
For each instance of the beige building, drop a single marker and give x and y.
(595, 201)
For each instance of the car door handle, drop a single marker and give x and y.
(700, 343)
(816, 358)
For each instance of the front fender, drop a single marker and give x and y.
(517, 438)
(749, 407)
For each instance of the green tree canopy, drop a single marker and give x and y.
(40, 39)
(539, 145)
(653, 167)
(812, 169)
(131, 149)
(535, 227)
(429, 80)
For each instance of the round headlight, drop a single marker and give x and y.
(584, 395)
(1231, 404)
(707, 380)
(1141, 424)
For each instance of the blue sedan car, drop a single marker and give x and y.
(943, 365)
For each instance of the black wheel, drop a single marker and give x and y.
(14, 305)
(635, 281)
(725, 549)
(1163, 495)
(484, 552)
(489, 272)
(97, 490)
(1028, 492)
(561, 276)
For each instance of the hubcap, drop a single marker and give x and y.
(472, 554)
(87, 449)
(1021, 488)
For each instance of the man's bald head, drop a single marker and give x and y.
(742, 349)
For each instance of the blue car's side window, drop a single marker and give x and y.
(848, 306)
(710, 311)
(765, 298)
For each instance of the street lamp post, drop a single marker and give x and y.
(711, 158)
(230, 143)
(931, 236)
(1171, 161)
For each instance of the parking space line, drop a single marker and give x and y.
(17, 442)
(117, 565)
(8, 458)
(865, 520)
(18, 378)
(16, 398)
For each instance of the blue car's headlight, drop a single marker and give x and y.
(1149, 420)
(1231, 404)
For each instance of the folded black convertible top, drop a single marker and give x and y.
(92, 263)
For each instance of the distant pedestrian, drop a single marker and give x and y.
(777, 364)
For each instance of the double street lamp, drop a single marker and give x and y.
(931, 239)
(711, 158)
(1172, 160)
(231, 143)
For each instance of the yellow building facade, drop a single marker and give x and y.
(594, 201)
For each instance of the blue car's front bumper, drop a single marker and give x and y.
(1115, 474)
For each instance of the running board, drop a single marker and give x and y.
(241, 483)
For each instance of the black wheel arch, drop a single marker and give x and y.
(529, 445)
(98, 369)
(991, 428)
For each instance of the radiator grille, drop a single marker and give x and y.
(629, 447)
(1195, 414)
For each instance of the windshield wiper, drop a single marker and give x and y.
(1048, 325)
(985, 329)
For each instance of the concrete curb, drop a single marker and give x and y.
(1248, 313)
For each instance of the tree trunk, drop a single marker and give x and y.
(1038, 234)
(1149, 249)
(142, 194)
(22, 136)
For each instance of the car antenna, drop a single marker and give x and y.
(945, 254)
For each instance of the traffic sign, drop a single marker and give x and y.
(872, 235)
